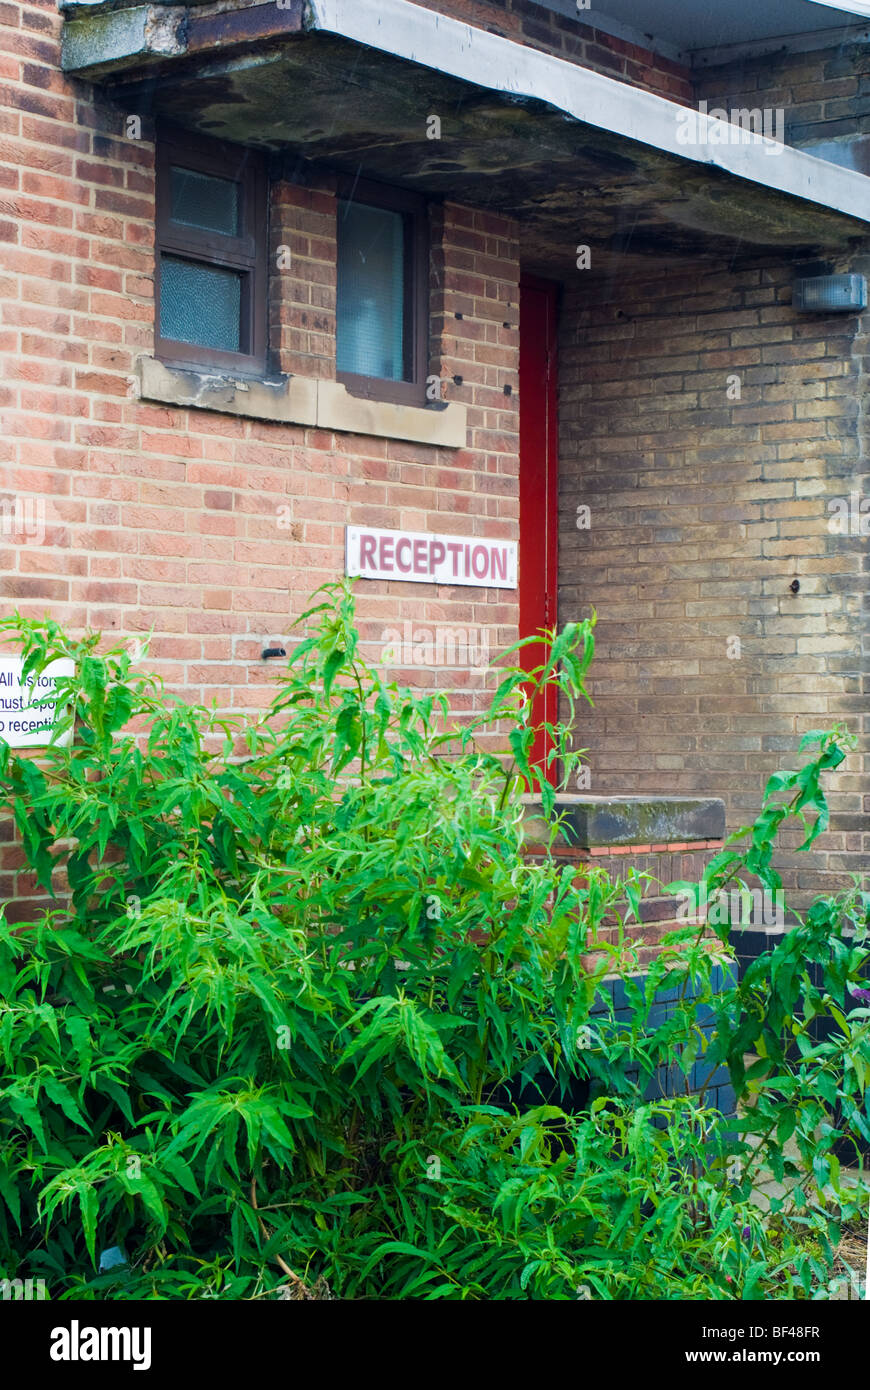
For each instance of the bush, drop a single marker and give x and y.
(309, 1024)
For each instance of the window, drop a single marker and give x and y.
(383, 293)
(211, 254)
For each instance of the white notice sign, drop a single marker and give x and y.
(27, 712)
(421, 558)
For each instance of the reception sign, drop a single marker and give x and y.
(28, 710)
(419, 557)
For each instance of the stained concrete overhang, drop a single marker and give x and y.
(578, 157)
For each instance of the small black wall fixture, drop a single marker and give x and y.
(273, 651)
(795, 586)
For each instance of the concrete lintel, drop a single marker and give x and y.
(123, 43)
(590, 822)
(116, 39)
(295, 400)
(80, 8)
(473, 55)
(107, 41)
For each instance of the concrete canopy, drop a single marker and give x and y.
(576, 156)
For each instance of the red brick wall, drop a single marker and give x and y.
(575, 41)
(302, 232)
(167, 517)
(704, 509)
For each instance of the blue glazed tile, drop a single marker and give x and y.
(671, 993)
(619, 996)
(720, 1076)
(727, 1101)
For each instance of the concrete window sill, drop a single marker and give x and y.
(295, 400)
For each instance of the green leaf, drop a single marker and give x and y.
(62, 1097)
(89, 1204)
(22, 1105)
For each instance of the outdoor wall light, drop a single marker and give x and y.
(831, 294)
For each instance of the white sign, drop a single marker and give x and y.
(28, 710)
(421, 558)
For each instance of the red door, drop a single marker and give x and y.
(538, 485)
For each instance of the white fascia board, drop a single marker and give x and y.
(472, 55)
(859, 7)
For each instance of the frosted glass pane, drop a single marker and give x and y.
(200, 304)
(371, 286)
(201, 200)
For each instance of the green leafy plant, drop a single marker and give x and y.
(304, 1019)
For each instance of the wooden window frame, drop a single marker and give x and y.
(245, 253)
(412, 390)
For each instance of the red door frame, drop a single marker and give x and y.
(539, 480)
